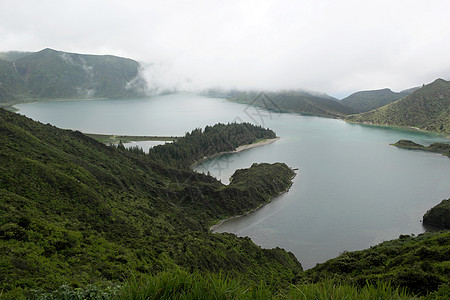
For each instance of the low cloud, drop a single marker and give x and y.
(330, 46)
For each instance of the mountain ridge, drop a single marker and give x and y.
(364, 101)
(294, 101)
(427, 108)
(52, 74)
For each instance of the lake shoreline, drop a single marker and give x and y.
(213, 227)
(409, 128)
(237, 150)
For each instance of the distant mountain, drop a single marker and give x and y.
(51, 74)
(410, 90)
(295, 101)
(368, 100)
(13, 55)
(427, 108)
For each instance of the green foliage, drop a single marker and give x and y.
(428, 108)
(420, 264)
(332, 289)
(442, 148)
(182, 285)
(295, 101)
(77, 217)
(76, 212)
(439, 216)
(214, 140)
(179, 284)
(368, 100)
(50, 74)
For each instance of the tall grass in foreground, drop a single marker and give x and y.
(329, 289)
(183, 285)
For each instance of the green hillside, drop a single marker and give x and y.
(50, 74)
(369, 100)
(294, 101)
(13, 55)
(419, 263)
(428, 108)
(74, 211)
(439, 216)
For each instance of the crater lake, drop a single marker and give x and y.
(352, 189)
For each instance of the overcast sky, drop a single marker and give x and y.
(336, 47)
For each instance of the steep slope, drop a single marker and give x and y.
(10, 82)
(418, 263)
(369, 100)
(74, 211)
(438, 216)
(299, 102)
(50, 74)
(428, 108)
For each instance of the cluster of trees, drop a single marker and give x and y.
(74, 211)
(199, 143)
(438, 216)
(419, 263)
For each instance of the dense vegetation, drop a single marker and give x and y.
(294, 101)
(50, 74)
(427, 108)
(179, 284)
(74, 211)
(442, 148)
(421, 264)
(439, 216)
(369, 100)
(213, 140)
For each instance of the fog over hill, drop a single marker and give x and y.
(368, 100)
(51, 74)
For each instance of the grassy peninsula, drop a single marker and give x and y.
(116, 139)
(441, 148)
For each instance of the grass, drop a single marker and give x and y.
(330, 289)
(114, 139)
(179, 284)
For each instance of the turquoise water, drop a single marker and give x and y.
(352, 189)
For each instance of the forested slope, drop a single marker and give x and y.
(51, 74)
(74, 211)
(427, 108)
(369, 100)
(294, 101)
